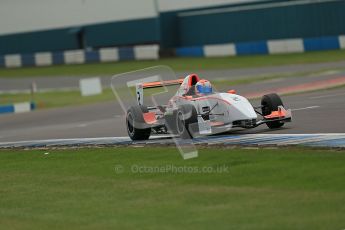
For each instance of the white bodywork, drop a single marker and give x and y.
(233, 107)
(225, 107)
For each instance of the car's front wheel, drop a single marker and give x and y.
(269, 103)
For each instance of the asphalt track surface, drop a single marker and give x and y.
(315, 112)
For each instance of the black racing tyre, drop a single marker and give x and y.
(269, 103)
(183, 121)
(137, 128)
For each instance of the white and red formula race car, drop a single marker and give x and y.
(195, 110)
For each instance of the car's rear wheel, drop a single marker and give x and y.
(269, 103)
(137, 128)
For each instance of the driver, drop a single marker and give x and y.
(203, 87)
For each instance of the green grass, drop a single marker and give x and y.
(56, 99)
(262, 189)
(178, 64)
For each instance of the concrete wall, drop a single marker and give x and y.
(279, 46)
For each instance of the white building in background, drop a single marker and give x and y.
(18, 16)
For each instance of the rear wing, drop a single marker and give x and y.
(139, 88)
(162, 83)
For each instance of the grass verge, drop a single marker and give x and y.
(57, 99)
(178, 64)
(104, 189)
